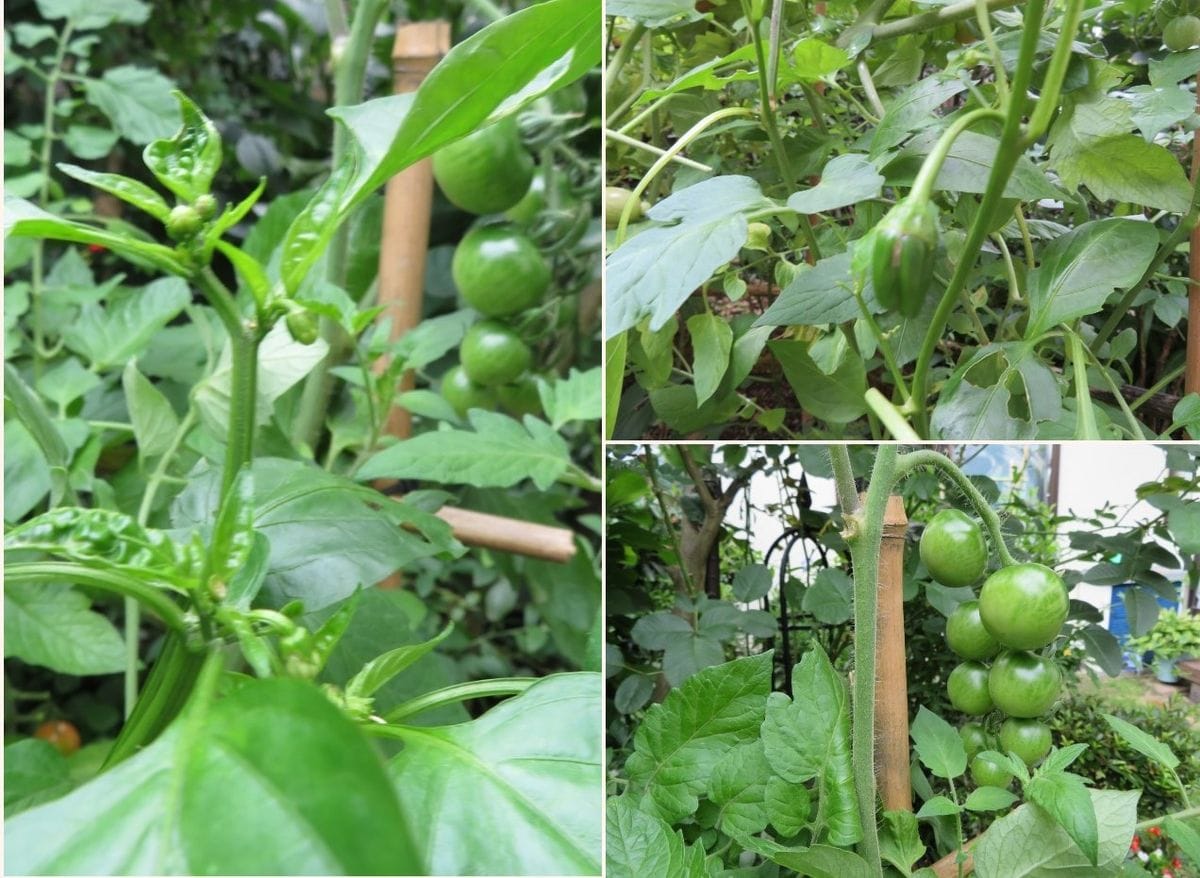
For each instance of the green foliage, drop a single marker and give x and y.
(1021, 318)
(185, 454)
(1110, 762)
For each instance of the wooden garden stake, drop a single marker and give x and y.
(891, 681)
(407, 205)
(1191, 380)
(510, 534)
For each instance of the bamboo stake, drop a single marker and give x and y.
(1191, 381)
(509, 534)
(408, 202)
(407, 206)
(891, 683)
(947, 866)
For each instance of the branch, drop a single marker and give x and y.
(707, 500)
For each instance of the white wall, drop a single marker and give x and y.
(1090, 475)
(1093, 473)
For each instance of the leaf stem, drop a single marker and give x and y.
(155, 600)
(946, 467)
(1007, 153)
(665, 159)
(499, 687)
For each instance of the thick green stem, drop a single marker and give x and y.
(922, 187)
(665, 159)
(1007, 154)
(244, 339)
(935, 19)
(1056, 72)
(946, 467)
(348, 81)
(864, 534)
(621, 58)
(497, 688)
(168, 687)
(843, 477)
(890, 416)
(153, 599)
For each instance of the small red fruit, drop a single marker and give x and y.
(61, 734)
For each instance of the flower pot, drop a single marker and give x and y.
(1164, 670)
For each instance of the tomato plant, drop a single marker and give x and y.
(965, 225)
(718, 734)
(223, 573)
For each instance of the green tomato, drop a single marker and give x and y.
(521, 397)
(499, 271)
(487, 171)
(965, 634)
(952, 548)
(1029, 739)
(968, 688)
(1024, 605)
(463, 394)
(1023, 684)
(492, 354)
(615, 199)
(976, 738)
(536, 199)
(990, 769)
(1182, 33)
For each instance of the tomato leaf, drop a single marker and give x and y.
(738, 786)
(938, 745)
(683, 738)
(1068, 801)
(499, 452)
(807, 737)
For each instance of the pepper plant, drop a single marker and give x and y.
(281, 728)
(725, 771)
(956, 222)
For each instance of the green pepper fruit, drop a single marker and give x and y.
(903, 255)
(206, 206)
(302, 326)
(183, 222)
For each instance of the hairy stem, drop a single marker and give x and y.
(946, 467)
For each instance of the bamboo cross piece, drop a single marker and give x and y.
(513, 535)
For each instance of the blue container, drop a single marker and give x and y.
(1118, 620)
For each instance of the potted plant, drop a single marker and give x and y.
(1174, 636)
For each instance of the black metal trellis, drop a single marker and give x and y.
(788, 539)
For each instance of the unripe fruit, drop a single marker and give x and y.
(183, 222)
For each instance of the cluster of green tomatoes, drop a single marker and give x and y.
(498, 267)
(1001, 638)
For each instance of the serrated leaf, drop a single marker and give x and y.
(682, 739)
(499, 453)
